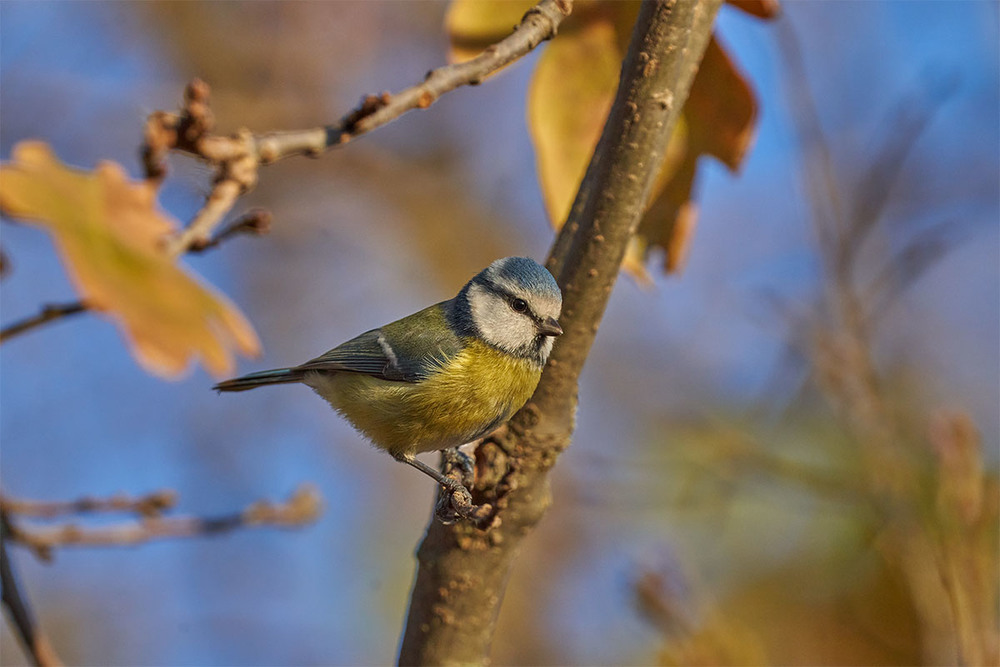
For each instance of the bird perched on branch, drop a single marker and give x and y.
(444, 376)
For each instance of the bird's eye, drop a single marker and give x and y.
(519, 305)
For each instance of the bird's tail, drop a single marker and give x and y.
(261, 378)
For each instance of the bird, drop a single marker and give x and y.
(444, 376)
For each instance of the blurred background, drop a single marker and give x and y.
(725, 496)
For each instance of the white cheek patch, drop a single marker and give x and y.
(497, 323)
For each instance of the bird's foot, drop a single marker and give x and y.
(454, 501)
(455, 504)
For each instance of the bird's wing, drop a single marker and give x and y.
(407, 350)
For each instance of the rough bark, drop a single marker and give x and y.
(463, 571)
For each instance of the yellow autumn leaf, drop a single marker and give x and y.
(109, 234)
(568, 101)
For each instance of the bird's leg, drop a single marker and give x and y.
(447, 482)
(454, 500)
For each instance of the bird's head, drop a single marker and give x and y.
(512, 305)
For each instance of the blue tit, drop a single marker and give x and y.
(443, 376)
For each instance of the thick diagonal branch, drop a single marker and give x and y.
(462, 572)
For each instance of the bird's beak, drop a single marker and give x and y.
(549, 327)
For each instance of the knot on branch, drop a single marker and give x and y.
(369, 104)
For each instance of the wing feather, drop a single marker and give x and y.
(407, 350)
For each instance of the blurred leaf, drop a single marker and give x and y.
(671, 218)
(109, 234)
(719, 119)
(568, 102)
(721, 110)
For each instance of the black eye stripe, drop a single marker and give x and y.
(499, 291)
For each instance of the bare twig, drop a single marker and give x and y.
(237, 158)
(910, 116)
(35, 644)
(199, 231)
(302, 507)
(254, 222)
(149, 504)
(539, 24)
(50, 313)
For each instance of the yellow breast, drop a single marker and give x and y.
(474, 392)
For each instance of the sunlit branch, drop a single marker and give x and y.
(539, 24)
(302, 507)
(237, 158)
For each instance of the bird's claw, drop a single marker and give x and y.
(455, 504)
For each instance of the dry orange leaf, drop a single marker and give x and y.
(109, 233)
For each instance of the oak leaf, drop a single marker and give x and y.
(110, 234)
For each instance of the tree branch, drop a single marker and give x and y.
(238, 157)
(149, 504)
(539, 24)
(50, 313)
(462, 572)
(35, 644)
(302, 507)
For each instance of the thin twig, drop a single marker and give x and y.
(35, 644)
(539, 24)
(198, 232)
(149, 504)
(302, 507)
(50, 313)
(236, 158)
(254, 222)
